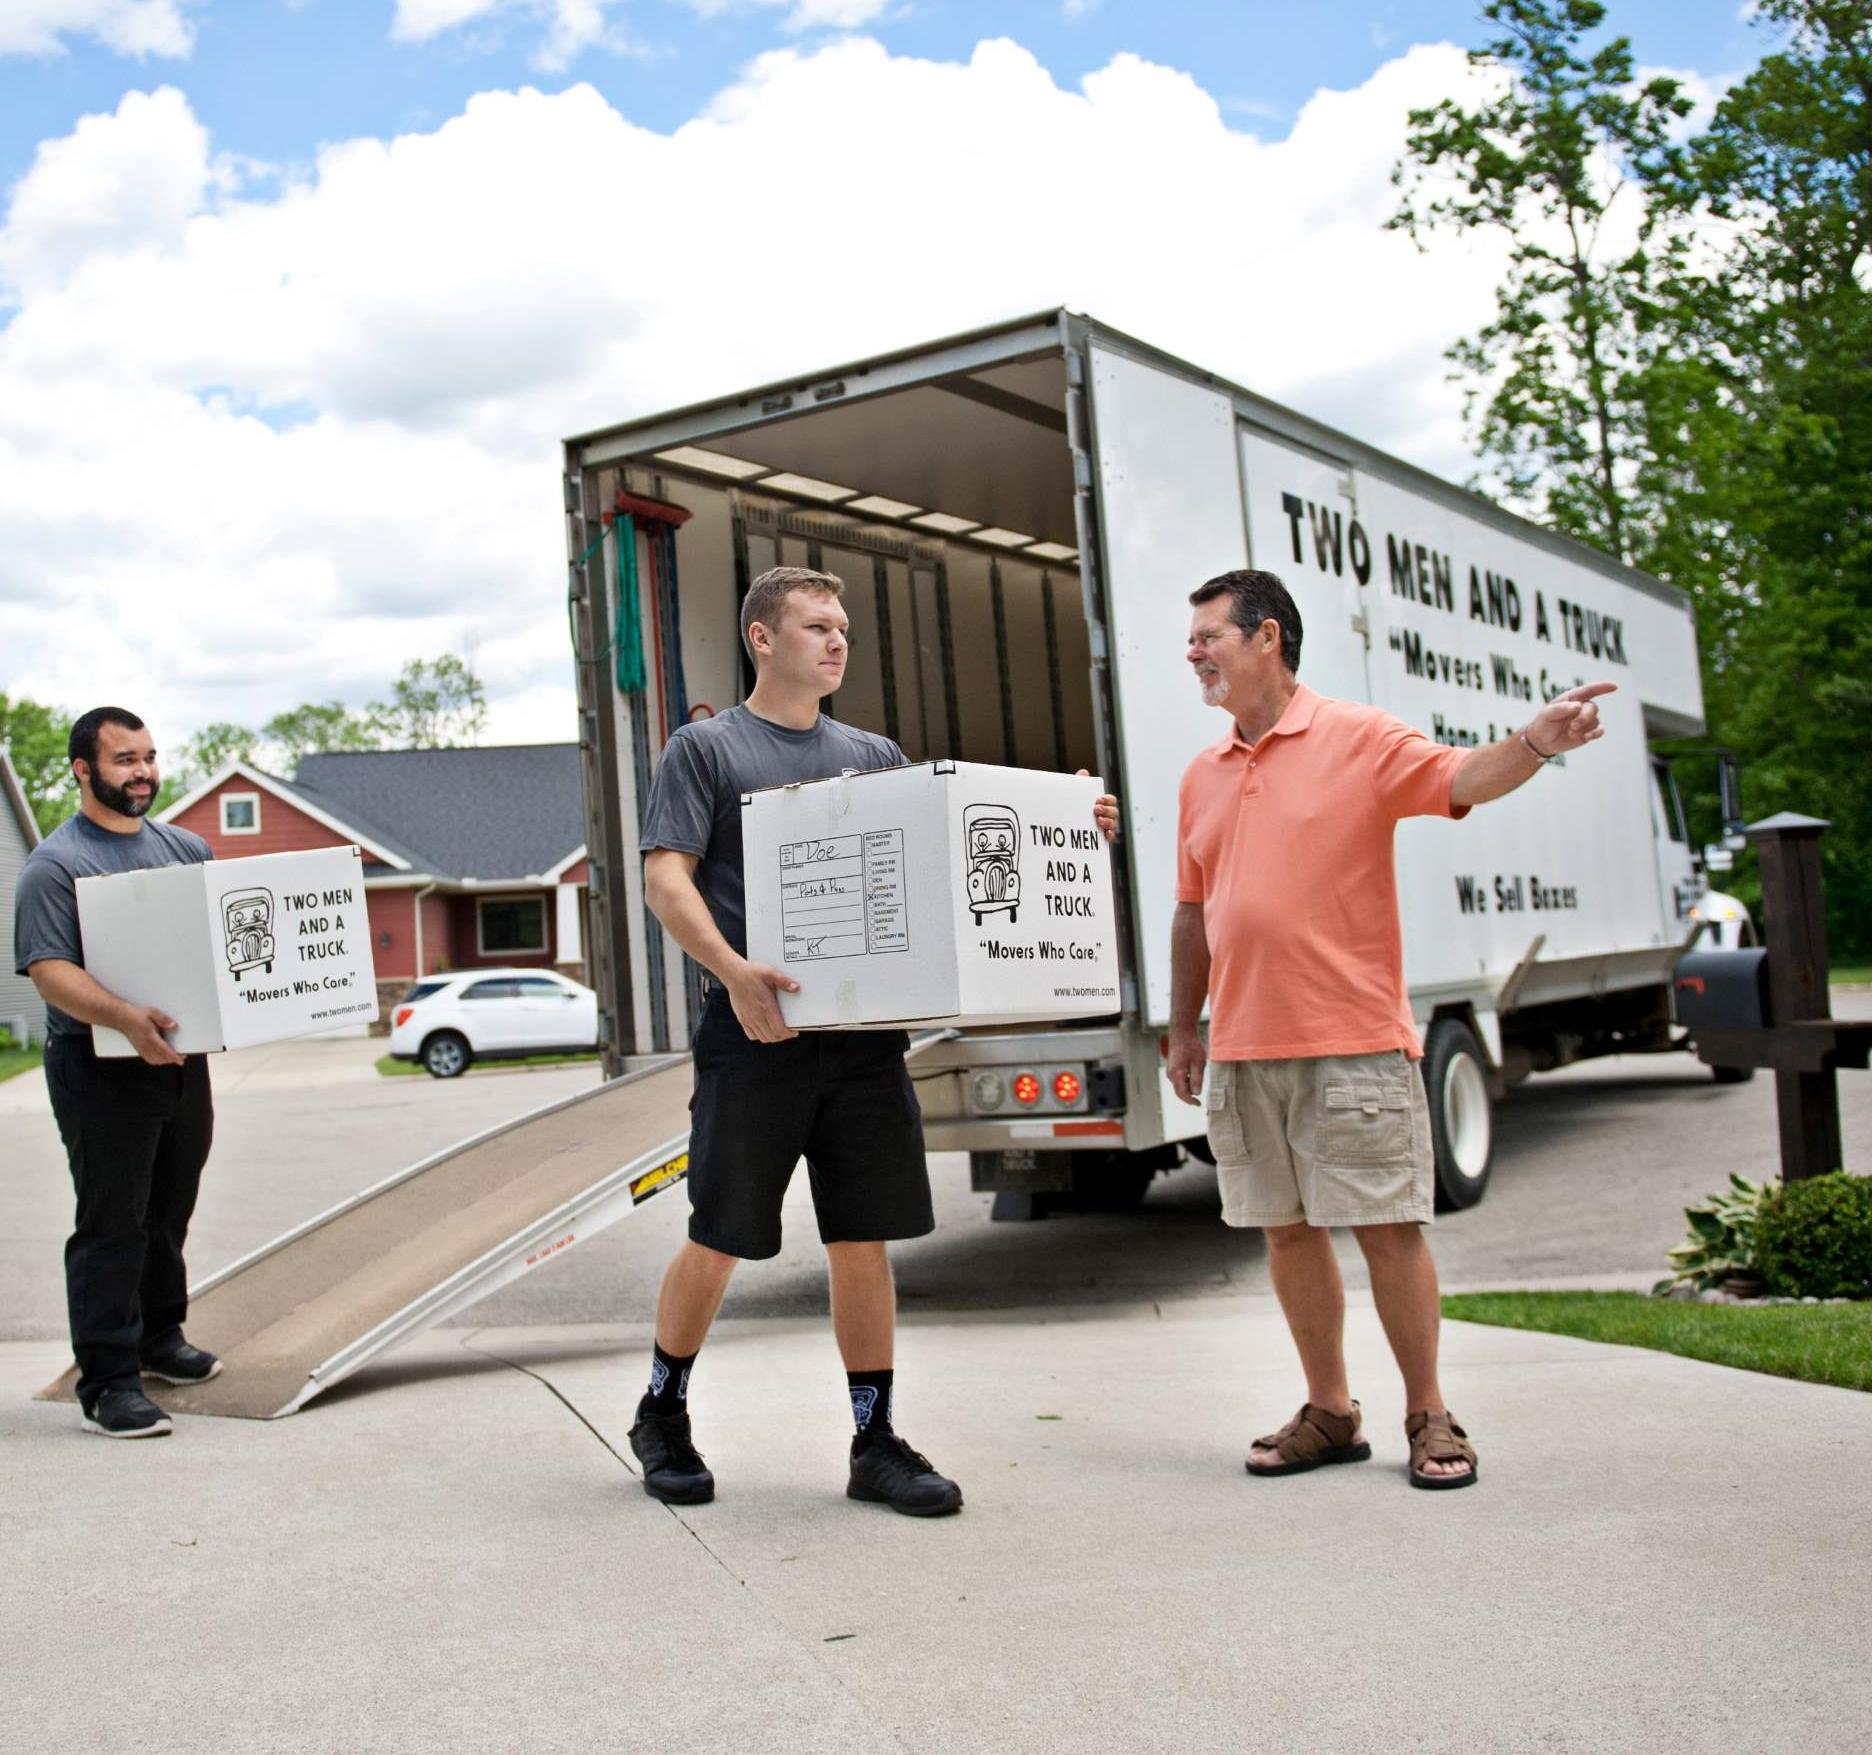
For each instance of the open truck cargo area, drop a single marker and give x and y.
(1019, 516)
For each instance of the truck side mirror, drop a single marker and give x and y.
(1729, 785)
(1717, 857)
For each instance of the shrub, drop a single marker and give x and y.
(7, 1044)
(1722, 1235)
(1814, 1239)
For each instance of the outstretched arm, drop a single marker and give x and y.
(1568, 722)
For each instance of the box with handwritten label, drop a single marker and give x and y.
(945, 893)
(237, 951)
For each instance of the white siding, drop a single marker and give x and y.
(18, 997)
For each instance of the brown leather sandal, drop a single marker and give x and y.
(1437, 1438)
(1311, 1439)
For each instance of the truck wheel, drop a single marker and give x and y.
(447, 1055)
(1461, 1124)
(1732, 1075)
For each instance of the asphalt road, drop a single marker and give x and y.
(1592, 1169)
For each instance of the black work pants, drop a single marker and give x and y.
(137, 1137)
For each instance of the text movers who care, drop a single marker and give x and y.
(237, 951)
(944, 893)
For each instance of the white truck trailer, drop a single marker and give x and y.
(1019, 515)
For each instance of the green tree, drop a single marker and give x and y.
(1690, 387)
(434, 704)
(317, 725)
(1773, 317)
(210, 750)
(35, 736)
(1555, 156)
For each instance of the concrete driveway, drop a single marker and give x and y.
(452, 1553)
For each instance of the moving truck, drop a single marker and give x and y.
(1019, 515)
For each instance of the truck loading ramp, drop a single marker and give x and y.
(310, 1308)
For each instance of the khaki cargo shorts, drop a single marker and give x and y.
(1340, 1140)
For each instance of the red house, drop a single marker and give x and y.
(471, 856)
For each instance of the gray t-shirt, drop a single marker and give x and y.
(695, 796)
(45, 904)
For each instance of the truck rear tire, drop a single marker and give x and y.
(1461, 1119)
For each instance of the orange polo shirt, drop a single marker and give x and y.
(1287, 846)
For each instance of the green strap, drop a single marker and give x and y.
(628, 635)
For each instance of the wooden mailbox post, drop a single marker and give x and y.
(1803, 1043)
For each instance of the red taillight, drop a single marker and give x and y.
(403, 1015)
(1066, 1087)
(1026, 1089)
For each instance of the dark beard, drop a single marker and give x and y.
(120, 799)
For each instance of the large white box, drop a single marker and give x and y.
(946, 893)
(237, 951)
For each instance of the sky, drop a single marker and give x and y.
(298, 296)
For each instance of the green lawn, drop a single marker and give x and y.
(1850, 974)
(1818, 1343)
(396, 1069)
(14, 1061)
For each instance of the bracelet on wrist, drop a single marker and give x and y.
(1543, 760)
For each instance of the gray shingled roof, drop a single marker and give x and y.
(509, 812)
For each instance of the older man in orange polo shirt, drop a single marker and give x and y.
(1287, 920)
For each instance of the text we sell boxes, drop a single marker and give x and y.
(947, 893)
(237, 951)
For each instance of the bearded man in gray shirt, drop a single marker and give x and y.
(136, 1131)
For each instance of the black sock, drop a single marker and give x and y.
(669, 1382)
(870, 1399)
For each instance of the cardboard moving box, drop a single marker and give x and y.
(946, 893)
(237, 951)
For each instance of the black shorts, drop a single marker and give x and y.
(841, 1099)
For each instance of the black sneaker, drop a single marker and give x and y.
(673, 1469)
(180, 1363)
(886, 1471)
(124, 1413)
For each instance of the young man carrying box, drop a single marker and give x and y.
(136, 1131)
(764, 1095)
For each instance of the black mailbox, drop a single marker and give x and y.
(1723, 990)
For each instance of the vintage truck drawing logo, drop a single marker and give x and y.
(248, 918)
(991, 835)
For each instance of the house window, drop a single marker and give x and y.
(240, 813)
(511, 924)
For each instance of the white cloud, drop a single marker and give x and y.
(833, 14)
(115, 185)
(262, 443)
(416, 21)
(572, 26)
(131, 27)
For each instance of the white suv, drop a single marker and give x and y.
(449, 1021)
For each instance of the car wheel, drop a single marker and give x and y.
(447, 1055)
(1461, 1117)
(1732, 1075)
